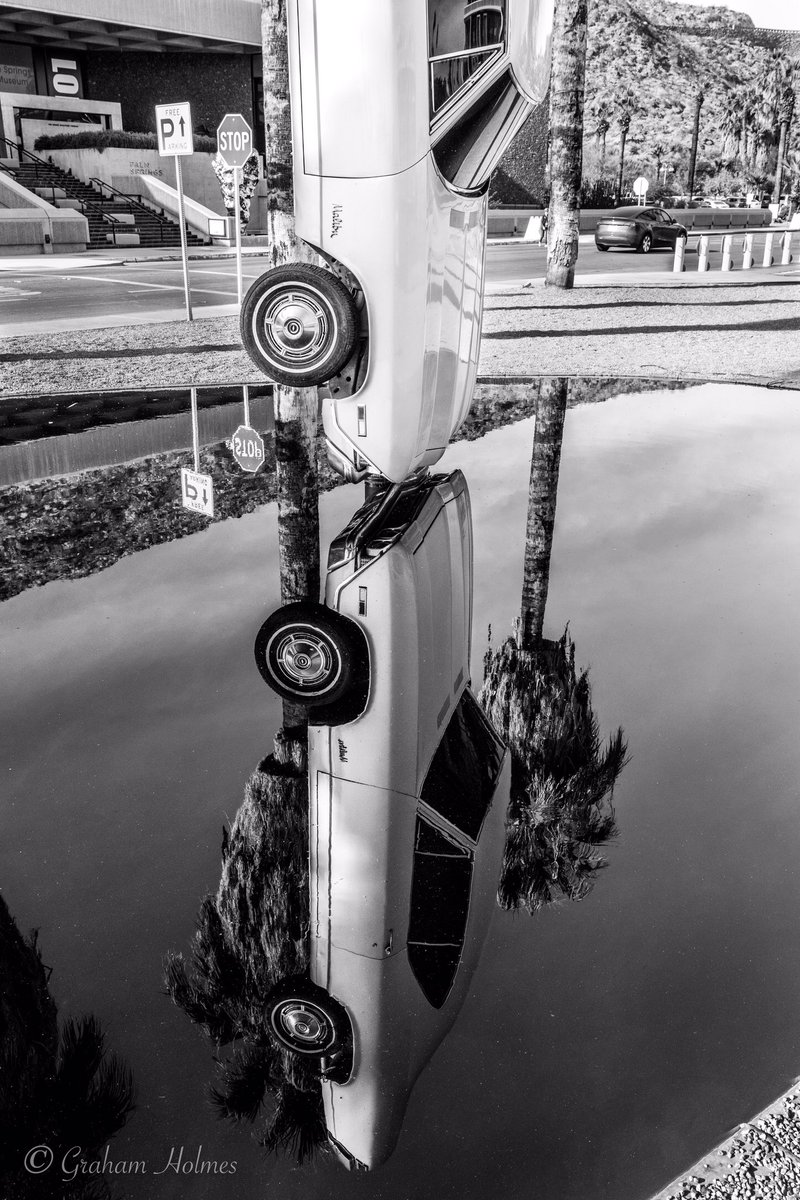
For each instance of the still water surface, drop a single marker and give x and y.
(605, 1044)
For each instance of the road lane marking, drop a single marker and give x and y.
(159, 287)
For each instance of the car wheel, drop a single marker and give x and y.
(600, 246)
(311, 655)
(299, 324)
(305, 1018)
(646, 244)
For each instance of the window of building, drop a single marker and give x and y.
(463, 35)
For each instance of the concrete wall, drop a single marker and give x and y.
(505, 222)
(214, 84)
(123, 169)
(30, 225)
(235, 20)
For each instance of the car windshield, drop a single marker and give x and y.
(469, 151)
(463, 35)
(462, 778)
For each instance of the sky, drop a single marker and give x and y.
(769, 14)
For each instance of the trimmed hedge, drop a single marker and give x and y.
(102, 139)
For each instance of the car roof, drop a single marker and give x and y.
(629, 211)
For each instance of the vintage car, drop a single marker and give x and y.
(408, 791)
(400, 112)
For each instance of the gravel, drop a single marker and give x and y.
(761, 1161)
(737, 332)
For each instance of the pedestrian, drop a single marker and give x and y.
(543, 236)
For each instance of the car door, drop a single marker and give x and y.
(666, 227)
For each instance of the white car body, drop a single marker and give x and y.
(371, 195)
(368, 780)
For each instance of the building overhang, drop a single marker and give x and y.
(157, 26)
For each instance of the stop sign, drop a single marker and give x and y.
(234, 140)
(248, 448)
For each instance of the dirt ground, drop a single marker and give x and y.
(741, 331)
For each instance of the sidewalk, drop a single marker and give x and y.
(33, 263)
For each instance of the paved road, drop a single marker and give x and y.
(109, 292)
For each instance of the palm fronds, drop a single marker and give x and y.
(59, 1087)
(562, 778)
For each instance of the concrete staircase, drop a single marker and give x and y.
(113, 219)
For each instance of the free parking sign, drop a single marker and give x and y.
(234, 140)
(174, 129)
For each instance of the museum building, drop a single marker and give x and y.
(109, 62)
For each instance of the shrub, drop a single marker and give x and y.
(102, 139)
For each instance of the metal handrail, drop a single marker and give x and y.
(163, 222)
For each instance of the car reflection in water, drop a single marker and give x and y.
(409, 786)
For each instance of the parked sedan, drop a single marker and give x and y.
(639, 229)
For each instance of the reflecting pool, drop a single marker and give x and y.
(603, 1045)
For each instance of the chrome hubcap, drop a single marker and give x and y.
(303, 1025)
(294, 326)
(304, 659)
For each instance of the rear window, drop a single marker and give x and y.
(462, 777)
(463, 35)
(471, 148)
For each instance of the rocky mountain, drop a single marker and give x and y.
(654, 56)
(657, 55)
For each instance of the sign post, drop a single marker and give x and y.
(234, 146)
(197, 490)
(640, 187)
(174, 129)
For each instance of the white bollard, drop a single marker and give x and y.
(747, 256)
(702, 254)
(768, 260)
(727, 253)
(680, 253)
(786, 243)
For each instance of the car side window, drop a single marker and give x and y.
(440, 892)
(469, 151)
(462, 37)
(462, 777)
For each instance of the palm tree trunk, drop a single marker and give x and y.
(776, 191)
(622, 139)
(695, 138)
(567, 77)
(296, 409)
(551, 407)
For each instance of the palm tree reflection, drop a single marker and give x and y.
(59, 1087)
(562, 778)
(251, 934)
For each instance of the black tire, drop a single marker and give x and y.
(302, 1017)
(601, 247)
(646, 244)
(299, 324)
(311, 655)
